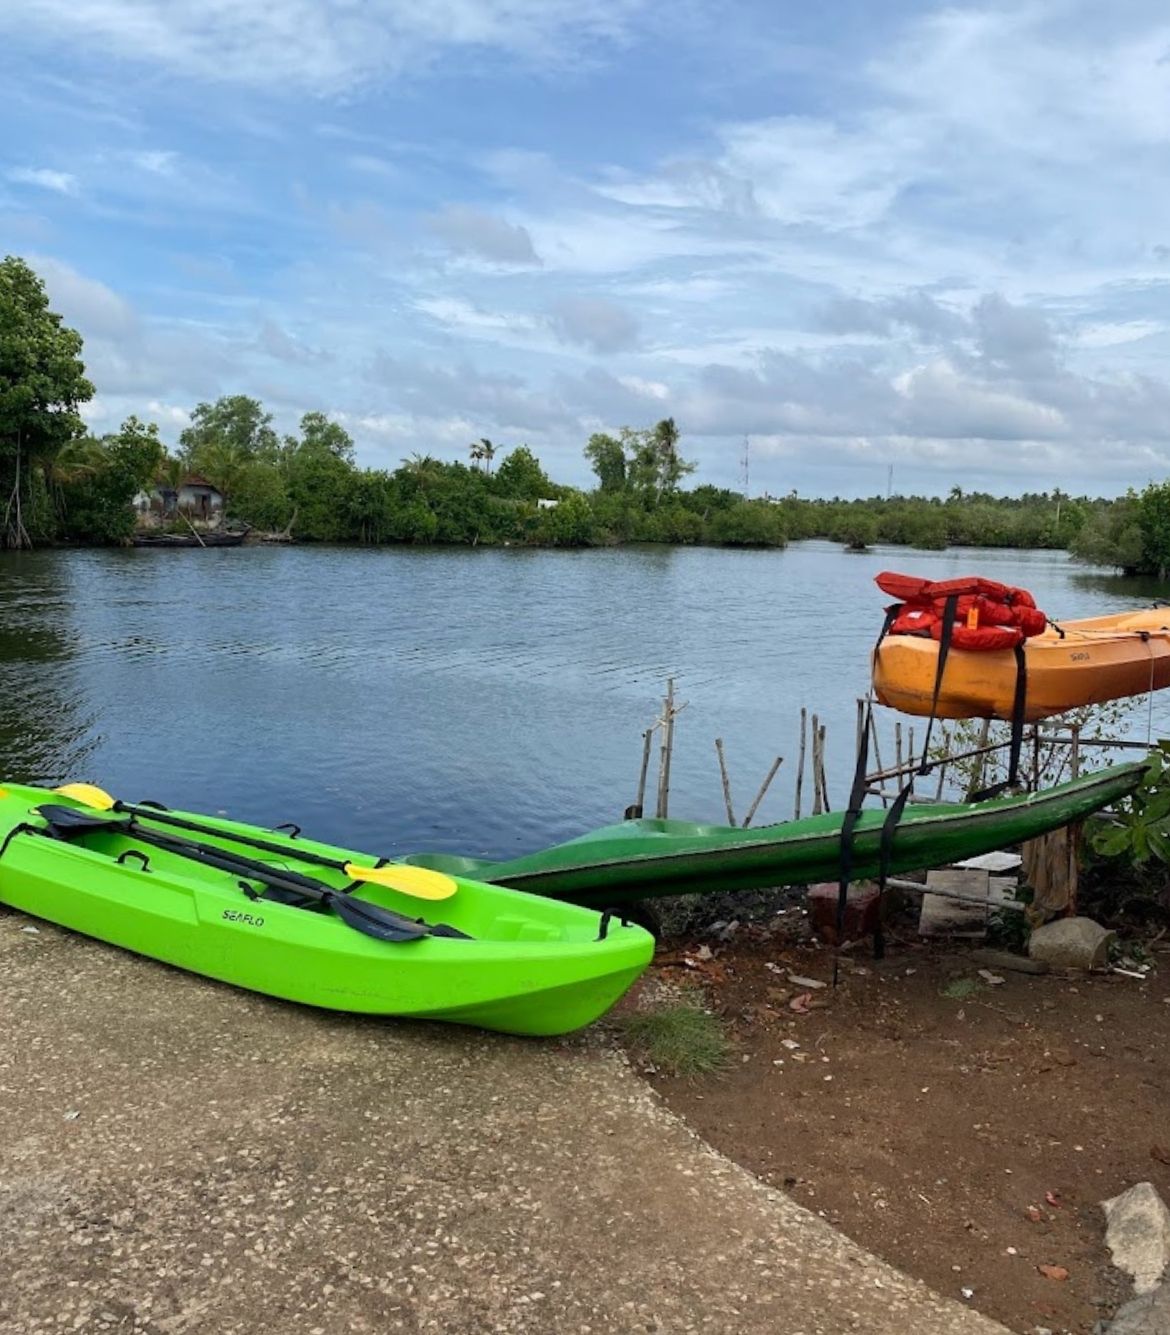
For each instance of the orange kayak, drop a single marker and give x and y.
(1081, 663)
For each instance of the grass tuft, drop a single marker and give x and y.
(681, 1038)
(958, 989)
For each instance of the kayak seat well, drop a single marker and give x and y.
(512, 927)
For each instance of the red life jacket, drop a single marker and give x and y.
(988, 615)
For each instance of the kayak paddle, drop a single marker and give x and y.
(415, 881)
(372, 919)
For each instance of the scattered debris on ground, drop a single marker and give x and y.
(962, 1117)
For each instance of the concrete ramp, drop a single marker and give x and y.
(177, 1156)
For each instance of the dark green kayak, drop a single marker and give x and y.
(639, 858)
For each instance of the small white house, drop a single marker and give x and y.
(546, 505)
(194, 496)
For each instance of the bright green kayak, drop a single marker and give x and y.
(639, 858)
(276, 921)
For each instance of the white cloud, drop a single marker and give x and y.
(462, 316)
(320, 46)
(469, 231)
(1110, 334)
(91, 307)
(168, 414)
(278, 343)
(62, 183)
(594, 323)
(161, 162)
(651, 389)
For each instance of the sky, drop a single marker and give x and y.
(859, 236)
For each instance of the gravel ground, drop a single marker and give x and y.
(176, 1155)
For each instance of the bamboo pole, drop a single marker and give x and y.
(647, 738)
(816, 769)
(747, 820)
(193, 529)
(672, 711)
(897, 770)
(821, 771)
(800, 762)
(726, 781)
(988, 903)
(1075, 754)
(877, 755)
(898, 742)
(664, 752)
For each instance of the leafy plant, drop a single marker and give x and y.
(982, 771)
(1138, 829)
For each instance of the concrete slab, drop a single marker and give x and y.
(179, 1156)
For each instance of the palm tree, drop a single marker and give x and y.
(423, 468)
(78, 458)
(476, 451)
(223, 464)
(487, 452)
(76, 461)
(671, 468)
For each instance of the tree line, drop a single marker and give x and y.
(60, 483)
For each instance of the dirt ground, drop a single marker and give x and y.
(964, 1130)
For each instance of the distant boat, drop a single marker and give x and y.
(189, 539)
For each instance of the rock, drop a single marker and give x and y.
(1147, 1315)
(1071, 943)
(862, 909)
(1138, 1235)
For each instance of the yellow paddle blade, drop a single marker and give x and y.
(416, 881)
(89, 793)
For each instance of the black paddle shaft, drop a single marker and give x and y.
(196, 827)
(372, 919)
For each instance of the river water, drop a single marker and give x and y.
(481, 701)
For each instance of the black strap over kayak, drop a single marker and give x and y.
(894, 815)
(371, 919)
(898, 807)
(1019, 708)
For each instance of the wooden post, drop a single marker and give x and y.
(877, 755)
(747, 820)
(639, 801)
(977, 784)
(800, 762)
(898, 743)
(816, 768)
(667, 747)
(1075, 751)
(824, 782)
(726, 781)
